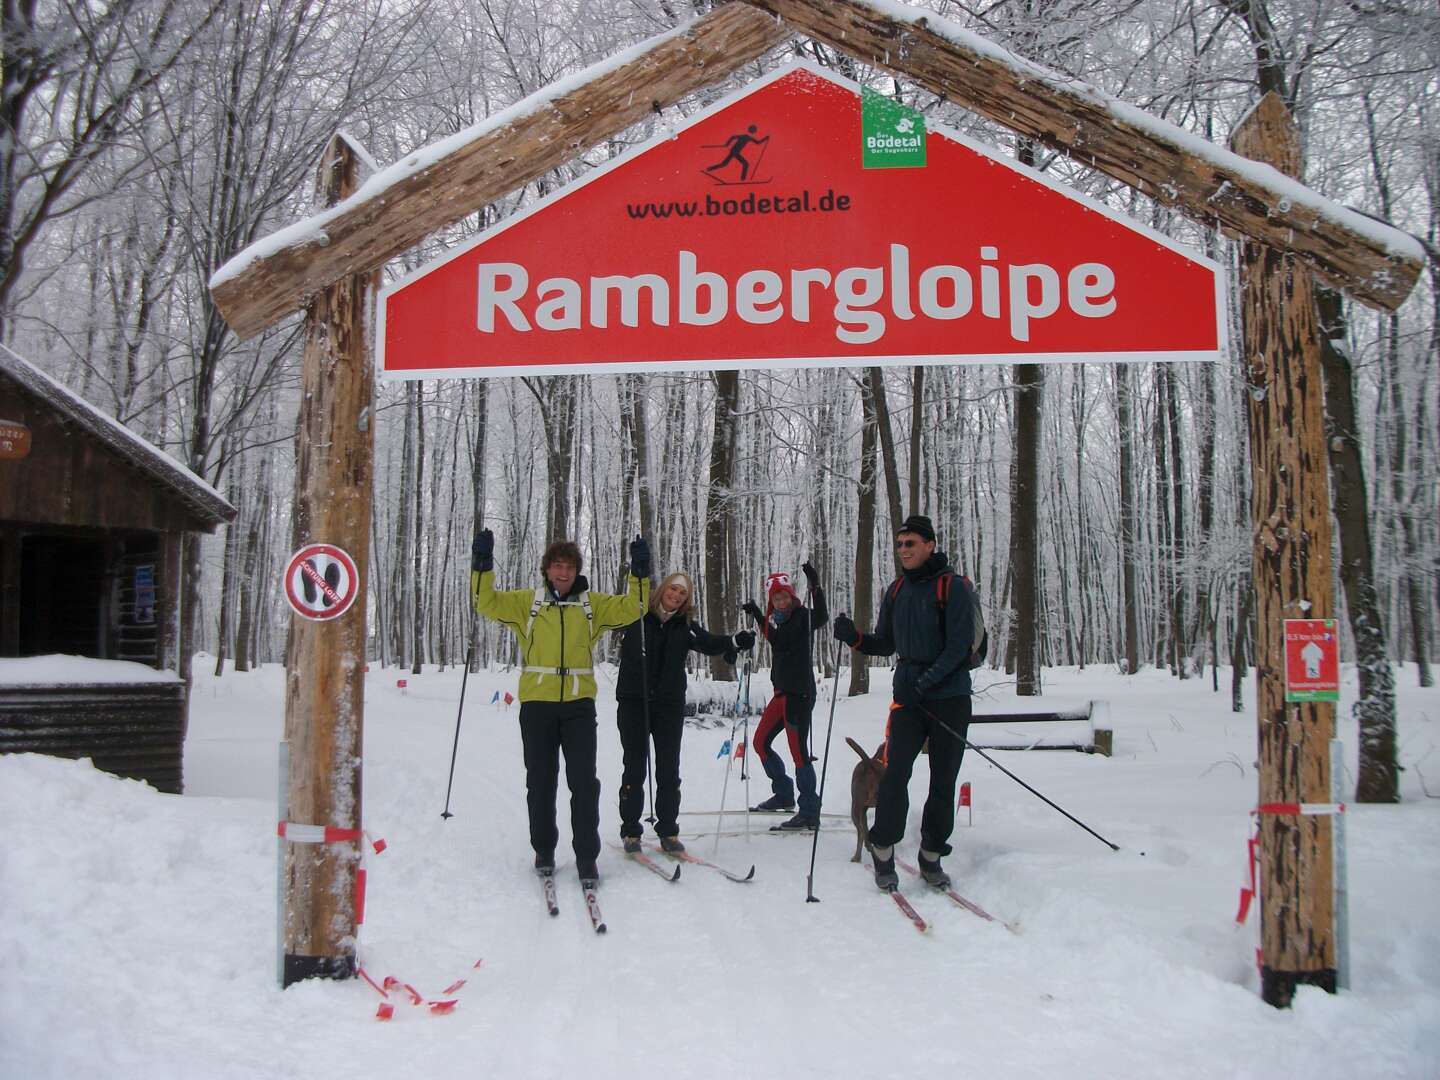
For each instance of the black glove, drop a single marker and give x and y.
(812, 576)
(907, 691)
(753, 610)
(744, 639)
(846, 631)
(482, 551)
(640, 557)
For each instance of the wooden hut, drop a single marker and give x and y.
(92, 519)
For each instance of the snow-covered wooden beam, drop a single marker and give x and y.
(1374, 262)
(435, 187)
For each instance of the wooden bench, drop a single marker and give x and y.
(1086, 729)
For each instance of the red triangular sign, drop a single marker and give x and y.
(755, 236)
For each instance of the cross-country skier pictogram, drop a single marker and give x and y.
(736, 152)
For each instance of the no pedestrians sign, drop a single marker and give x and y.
(321, 582)
(1312, 660)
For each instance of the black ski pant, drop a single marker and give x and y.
(667, 725)
(908, 729)
(546, 729)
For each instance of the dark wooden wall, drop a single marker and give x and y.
(129, 729)
(71, 478)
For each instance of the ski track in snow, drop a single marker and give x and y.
(139, 929)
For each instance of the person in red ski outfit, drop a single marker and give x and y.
(787, 625)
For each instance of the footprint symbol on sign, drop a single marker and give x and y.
(332, 578)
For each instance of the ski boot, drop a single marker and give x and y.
(931, 871)
(886, 880)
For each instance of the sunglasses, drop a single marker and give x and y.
(900, 545)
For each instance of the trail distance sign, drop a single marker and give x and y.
(1312, 660)
(755, 236)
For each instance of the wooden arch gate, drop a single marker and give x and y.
(330, 263)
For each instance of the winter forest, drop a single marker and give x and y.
(1102, 510)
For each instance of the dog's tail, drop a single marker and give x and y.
(863, 755)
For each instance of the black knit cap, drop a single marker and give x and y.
(918, 524)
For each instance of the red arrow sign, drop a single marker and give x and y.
(1312, 660)
(755, 237)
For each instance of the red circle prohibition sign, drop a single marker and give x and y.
(321, 582)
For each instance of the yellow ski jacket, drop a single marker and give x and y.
(557, 637)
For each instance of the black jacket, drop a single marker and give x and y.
(665, 647)
(934, 658)
(791, 669)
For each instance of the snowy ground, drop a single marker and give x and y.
(138, 929)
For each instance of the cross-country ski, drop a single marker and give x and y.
(639, 858)
(955, 898)
(547, 888)
(690, 857)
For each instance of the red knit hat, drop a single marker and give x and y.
(778, 582)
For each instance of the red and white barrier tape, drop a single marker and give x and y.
(297, 833)
(441, 1006)
(1285, 809)
(1301, 809)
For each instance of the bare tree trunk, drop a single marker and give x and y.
(1025, 526)
(720, 516)
(1165, 647)
(250, 578)
(556, 397)
(404, 532)
(917, 427)
(875, 378)
(865, 542)
(1379, 776)
(417, 579)
(1179, 553)
(229, 555)
(1415, 605)
(642, 465)
(1128, 523)
(1205, 423)
(477, 491)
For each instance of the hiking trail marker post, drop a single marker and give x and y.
(879, 306)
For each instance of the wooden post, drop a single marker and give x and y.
(1290, 509)
(325, 662)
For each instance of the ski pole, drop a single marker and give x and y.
(1022, 783)
(469, 654)
(810, 897)
(729, 761)
(745, 731)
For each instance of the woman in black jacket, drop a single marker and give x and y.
(671, 632)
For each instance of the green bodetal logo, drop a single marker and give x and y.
(893, 134)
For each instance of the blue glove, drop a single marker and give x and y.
(482, 551)
(640, 557)
(846, 631)
(744, 639)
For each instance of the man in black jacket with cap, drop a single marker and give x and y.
(931, 625)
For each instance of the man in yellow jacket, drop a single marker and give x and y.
(557, 624)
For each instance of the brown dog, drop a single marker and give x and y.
(864, 787)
